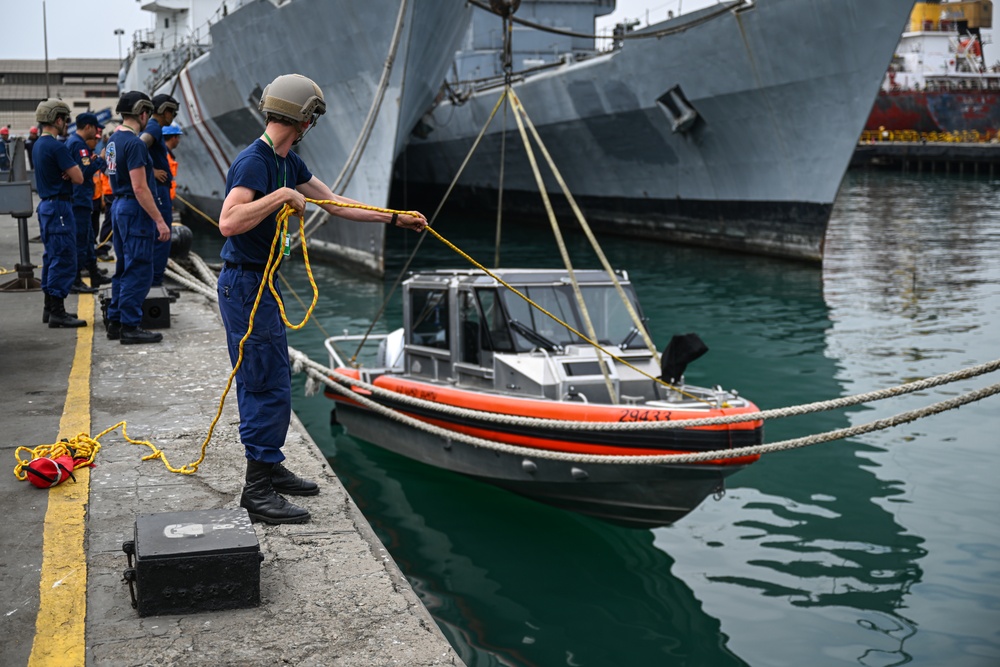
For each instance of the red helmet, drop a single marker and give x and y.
(4, 131)
(33, 130)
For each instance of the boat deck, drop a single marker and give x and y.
(331, 593)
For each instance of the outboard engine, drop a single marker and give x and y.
(681, 351)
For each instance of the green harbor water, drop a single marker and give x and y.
(879, 550)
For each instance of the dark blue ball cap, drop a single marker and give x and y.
(88, 118)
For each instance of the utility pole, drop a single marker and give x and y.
(119, 32)
(45, 32)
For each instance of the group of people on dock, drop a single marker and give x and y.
(129, 178)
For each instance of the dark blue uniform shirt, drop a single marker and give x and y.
(126, 152)
(262, 170)
(89, 163)
(52, 159)
(158, 151)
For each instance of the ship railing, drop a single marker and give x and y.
(912, 136)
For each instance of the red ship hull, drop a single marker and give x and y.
(937, 111)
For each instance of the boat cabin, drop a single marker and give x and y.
(465, 329)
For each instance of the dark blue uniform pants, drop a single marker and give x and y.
(161, 249)
(58, 229)
(133, 239)
(84, 237)
(264, 380)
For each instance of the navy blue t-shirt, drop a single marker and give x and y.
(51, 159)
(89, 163)
(124, 153)
(262, 170)
(158, 151)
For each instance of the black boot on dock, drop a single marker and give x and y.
(262, 502)
(285, 481)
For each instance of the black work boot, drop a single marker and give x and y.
(137, 335)
(47, 309)
(285, 481)
(58, 317)
(98, 276)
(262, 502)
(80, 287)
(114, 330)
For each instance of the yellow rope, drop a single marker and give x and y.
(197, 210)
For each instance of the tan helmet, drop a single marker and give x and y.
(48, 111)
(293, 96)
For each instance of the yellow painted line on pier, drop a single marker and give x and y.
(62, 609)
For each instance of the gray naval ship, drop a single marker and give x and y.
(731, 126)
(379, 62)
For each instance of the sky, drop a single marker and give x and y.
(23, 34)
(24, 38)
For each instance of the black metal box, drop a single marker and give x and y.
(155, 309)
(187, 562)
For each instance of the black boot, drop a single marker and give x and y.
(47, 309)
(262, 502)
(98, 276)
(58, 317)
(80, 287)
(138, 335)
(114, 330)
(285, 481)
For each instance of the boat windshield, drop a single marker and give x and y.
(607, 312)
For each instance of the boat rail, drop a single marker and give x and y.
(336, 361)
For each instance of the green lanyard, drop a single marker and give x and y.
(286, 242)
(284, 172)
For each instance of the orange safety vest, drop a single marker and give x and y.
(98, 192)
(105, 184)
(173, 170)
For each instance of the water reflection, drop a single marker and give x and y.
(515, 582)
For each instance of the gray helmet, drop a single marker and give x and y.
(134, 103)
(164, 102)
(48, 111)
(293, 96)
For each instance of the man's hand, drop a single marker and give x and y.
(414, 220)
(163, 231)
(160, 175)
(294, 198)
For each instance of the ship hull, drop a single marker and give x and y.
(343, 47)
(952, 111)
(641, 496)
(781, 88)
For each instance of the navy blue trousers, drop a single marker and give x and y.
(58, 230)
(161, 249)
(264, 380)
(134, 234)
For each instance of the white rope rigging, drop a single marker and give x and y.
(345, 385)
(301, 361)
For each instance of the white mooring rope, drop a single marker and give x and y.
(345, 385)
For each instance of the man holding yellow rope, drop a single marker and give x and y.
(262, 180)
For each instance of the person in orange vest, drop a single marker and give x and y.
(172, 137)
(97, 205)
(104, 233)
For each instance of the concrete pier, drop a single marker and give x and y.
(331, 594)
(929, 157)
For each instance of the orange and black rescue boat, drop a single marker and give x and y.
(498, 390)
